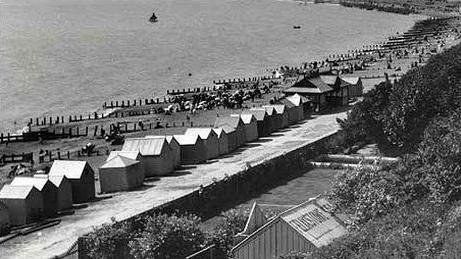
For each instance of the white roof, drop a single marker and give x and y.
(279, 108)
(351, 80)
(187, 139)
(246, 118)
(119, 162)
(71, 169)
(15, 192)
(204, 133)
(219, 131)
(128, 154)
(295, 99)
(312, 220)
(168, 138)
(55, 179)
(38, 183)
(146, 146)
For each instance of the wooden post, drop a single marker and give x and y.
(95, 130)
(78, 131)
(81, 117)
(50, 155)
(36, 121)
(134, 126)
(86, 131)
(8, 138)
(70, 132)
(59, 155)
(62, 119)
(68, 154)
(1, 138)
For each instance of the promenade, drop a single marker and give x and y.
(56, 240)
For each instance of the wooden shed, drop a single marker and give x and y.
(121, 174)
(276, 121)
(210, 139)
(175, 149)
(233, 122)
(303, 228)
(48, 190)
(24, 203)
(193, 150)
(251, 126)
(156, 155)
(282, 114)
(263, 121)
(80, 175)
(302, 104)
(5, 222)
(64, 187)
(232, 139)
(223, 140)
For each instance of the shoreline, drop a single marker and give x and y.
(23, 120)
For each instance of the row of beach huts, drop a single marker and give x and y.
(29, 199)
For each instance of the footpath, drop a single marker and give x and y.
(57, 239)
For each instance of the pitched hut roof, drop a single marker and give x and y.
(55, 179)
(279, 108)
(187, 139)
(15, 192)
(351, 80)
(219, 131)
(312, 220)
(145, 146)
(246, 118)
(71, 169)
(168, 138)
(259, 113)
(38, 183)
(270, 110)
(128, 154)
(119, 162)
(296, 99)
(230, 121)
(204, 133)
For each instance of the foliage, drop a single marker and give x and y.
(168, 237)
(105, 242)
(233, 223)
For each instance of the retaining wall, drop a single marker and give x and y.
(210, 200)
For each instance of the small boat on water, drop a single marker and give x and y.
(153, 18)
(296, 27)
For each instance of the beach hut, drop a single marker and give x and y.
(175, 149)
(275, 119)
(223, 139)
(156, 155)
(301, 108)
(64, 187)
(193, 150)
(251, 126)
(24, 203)
(236, 123)
(5, 222)
(263, 121)
(303, 228)
(80, 175)
(134, 155)
(282, 114)
(210, 139)
(46, 188)
(121, 174)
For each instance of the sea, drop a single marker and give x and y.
(67, 57)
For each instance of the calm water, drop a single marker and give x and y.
(62, 57)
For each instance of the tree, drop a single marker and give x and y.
(168, 237)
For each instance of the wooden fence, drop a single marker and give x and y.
(16, 158)
(44, 135)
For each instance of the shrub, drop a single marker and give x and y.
(168, 237)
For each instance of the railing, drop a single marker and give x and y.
(16, 158)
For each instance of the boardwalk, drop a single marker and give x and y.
(57, 239)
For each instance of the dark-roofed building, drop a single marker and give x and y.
(223, 139)
(24, 203)
(251, 126)
(263, 121)
(80, 175)
(328, 90)
(303, 228)
(121, 174)
(48, 190)
(235, 123)
(210, 139)
(64, 187)
(156, 155)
